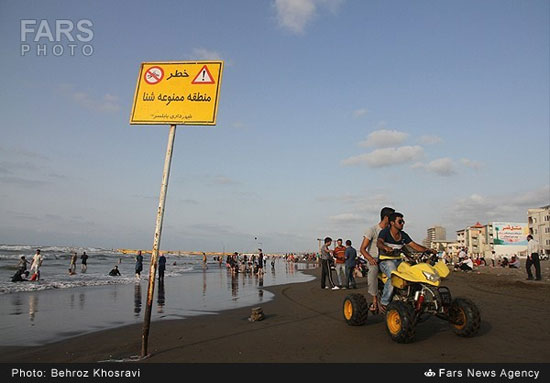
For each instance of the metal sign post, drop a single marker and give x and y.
(175, 93)
(156, 241)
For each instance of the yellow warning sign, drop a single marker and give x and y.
(179, 93)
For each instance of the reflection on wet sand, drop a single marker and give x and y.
(33, 307)
(213, 289)
(17, 304)
(234, 286)
(137, 299)
(81, 301)
(160, 297)
(114, 293)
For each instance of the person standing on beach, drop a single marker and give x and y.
(139, 264)
(326, 256)
(35, 266)
(351, 256)
(204, 260)
(532, 258)
(72, 266)
(370, 253)
(260, 262)
(339, 253)
(84, 259)
(162, 266)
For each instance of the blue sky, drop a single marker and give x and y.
(329, 110)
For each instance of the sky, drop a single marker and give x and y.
(329, 110)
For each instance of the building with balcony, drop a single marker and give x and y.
(538, 222)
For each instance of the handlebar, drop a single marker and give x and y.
(411, 257)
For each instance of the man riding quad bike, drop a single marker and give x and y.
(417, 295)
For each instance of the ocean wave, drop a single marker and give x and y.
(26, 286)
(58, 249)
(17, 247)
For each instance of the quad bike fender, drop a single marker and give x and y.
(442, 269)
(415, 273)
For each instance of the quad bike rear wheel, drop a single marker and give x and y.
(400, 322)
(464, 317)
(355, 310)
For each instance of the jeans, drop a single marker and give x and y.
(387, 266)
(350, 279)
(341, 273)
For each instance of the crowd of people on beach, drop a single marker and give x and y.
(466, 262)
(381, 250)
(248, 263)
(244, 263)
(33, 274)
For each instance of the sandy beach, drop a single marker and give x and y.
(304, 324)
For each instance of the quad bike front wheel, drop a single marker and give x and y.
(400, 322)
(355, 310)
(464, 317)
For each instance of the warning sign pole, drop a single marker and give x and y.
(156, 241)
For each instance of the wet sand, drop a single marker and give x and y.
(304, 324)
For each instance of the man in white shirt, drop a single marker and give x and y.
(370, 253)
(36, 263)
(532, 258)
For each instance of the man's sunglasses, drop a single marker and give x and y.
(401, 222)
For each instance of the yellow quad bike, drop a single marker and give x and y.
(417, 296)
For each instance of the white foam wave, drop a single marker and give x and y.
(47, 285)
(17, 247)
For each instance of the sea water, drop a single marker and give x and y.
(60, 305)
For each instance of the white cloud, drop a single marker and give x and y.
(470, 163)
(368, 202)
(108, 103)
(295, 15)
(205, 54)
(429, 140)
(510, 207)
(347, 218)
(386, 157)
(384, 138)
(360, 112)
(442, 167)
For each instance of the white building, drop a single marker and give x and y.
(538, 221)
(435, 233)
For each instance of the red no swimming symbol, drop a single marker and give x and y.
(153, 75)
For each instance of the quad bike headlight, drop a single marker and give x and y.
(430, 276)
